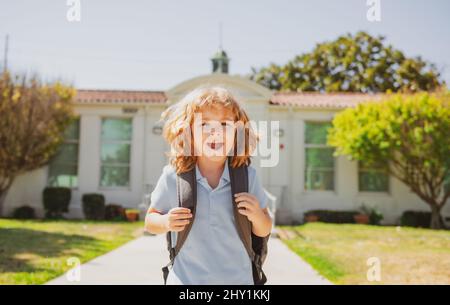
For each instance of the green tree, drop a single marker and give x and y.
(351, 63)
(409, 134)
(33, 119)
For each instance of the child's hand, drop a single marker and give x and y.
(252, 209)
(178, 218)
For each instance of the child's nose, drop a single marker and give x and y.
(215, 130)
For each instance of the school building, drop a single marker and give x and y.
(115, 147)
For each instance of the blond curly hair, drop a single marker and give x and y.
(179, 118)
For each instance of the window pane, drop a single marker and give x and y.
(73, 131)
(115, 176)
(373, 181)
(65, 175)
(316, 133)
(68, 153)
(319, 180)
(63, 167)
(116, 129)
(372, 178)
(115, 153)
(319, 158)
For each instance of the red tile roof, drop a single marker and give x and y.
(120, 96)
(298, 99)
(321, 100)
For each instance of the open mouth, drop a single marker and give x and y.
(215, 145)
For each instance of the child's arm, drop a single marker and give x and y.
(262, 226)
(175, 220)
(260, 218)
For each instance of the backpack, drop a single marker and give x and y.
(187, 197)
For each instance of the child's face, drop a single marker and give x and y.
(214, 131)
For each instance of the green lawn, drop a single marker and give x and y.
(340, 252)
(33, 252)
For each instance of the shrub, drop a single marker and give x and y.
(24, 212)
(115, 212)
(94, 206)
(56, 201)
(375, 215)
(416, 219)
(333, 216)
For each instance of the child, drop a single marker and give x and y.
(213, 253)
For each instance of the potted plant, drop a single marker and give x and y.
(311, 218)
(132, 214)
(363, 216)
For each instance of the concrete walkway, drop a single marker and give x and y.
(140, 261)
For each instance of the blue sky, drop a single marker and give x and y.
(156, 44)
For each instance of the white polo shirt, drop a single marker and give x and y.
(213, 253)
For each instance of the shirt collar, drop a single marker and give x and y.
(225, 174)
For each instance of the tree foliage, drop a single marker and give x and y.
(351, 63)
(409, 135)
(34, 117)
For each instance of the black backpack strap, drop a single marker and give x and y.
(171, 250)
(256, 246)
(239, 184)
(187, 198)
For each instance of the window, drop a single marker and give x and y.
(319, 160)
(372, 178)
(115, 152)
(63, 167)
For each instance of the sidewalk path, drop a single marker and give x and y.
(140, 261)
